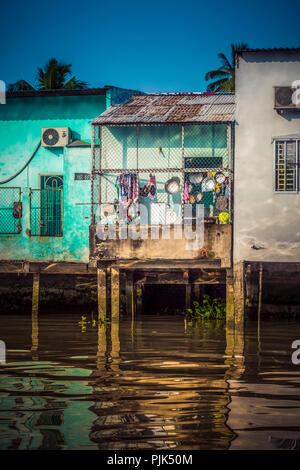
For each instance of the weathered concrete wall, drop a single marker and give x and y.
(217, 242)
(266, 224)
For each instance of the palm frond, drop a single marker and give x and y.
(225, 61)
(75, 84)
(225, 73)
(216, 74)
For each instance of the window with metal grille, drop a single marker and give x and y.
(10, 210)
(46, 207)
(82, 176)
(286, 165)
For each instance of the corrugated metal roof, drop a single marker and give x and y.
(60, 92)
(272, 49)
(171, 108)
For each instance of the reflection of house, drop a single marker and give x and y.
(175, 151)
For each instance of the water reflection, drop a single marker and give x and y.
(154, 383)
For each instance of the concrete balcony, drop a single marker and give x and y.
(213, 250)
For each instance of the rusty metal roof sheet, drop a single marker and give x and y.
(171, 108)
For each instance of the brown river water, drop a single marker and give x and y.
(156, 383)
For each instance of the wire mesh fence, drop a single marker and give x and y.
(10, 210)
(46, 212)
(196, 159)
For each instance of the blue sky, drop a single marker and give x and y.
(151, 46)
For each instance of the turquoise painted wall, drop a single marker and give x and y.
(21, 121)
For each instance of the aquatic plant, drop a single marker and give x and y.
(210, 309)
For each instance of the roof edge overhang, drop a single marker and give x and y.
(60, 92)
(285, 137)
(164, 123)
(275, 49)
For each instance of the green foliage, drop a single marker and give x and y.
(223, 78)
(54, 76)
(210, 309)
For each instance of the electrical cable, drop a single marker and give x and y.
(24, 166)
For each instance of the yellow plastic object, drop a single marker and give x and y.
(224, 217)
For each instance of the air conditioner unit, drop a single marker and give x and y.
(55, 136)
(287, 97)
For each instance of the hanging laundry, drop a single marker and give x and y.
(149, 190)
(127, 184)
(186, 195)
(152, 181)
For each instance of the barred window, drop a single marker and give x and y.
(286, 165)
(46, 212)
(10, 210)
(46, 207)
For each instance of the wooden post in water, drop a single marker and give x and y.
(101, 289)
(115, 295)
(35, 293)
(197, 292)
(239, 295)
(188, 294)
(229, 300)
(139, 298)
(34, 316)
(129, 294)
(259, 298)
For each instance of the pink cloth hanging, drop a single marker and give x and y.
(186, 195)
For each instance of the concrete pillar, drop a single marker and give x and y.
(101, 289)
(229, 300)
(115, 295)
(239, 295)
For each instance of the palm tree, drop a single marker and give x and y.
(54, 76)
(224, 76)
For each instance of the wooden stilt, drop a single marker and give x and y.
(115, 295)
(139, 298)
(102, 346)
(115, 340)
(188, 295)
(129, 294)
(197, 292)
(34, 316)
(259, 298)
(35, 293)
(229, 300)
(101, 288)
(239, 295)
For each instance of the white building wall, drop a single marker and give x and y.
(262, 218)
